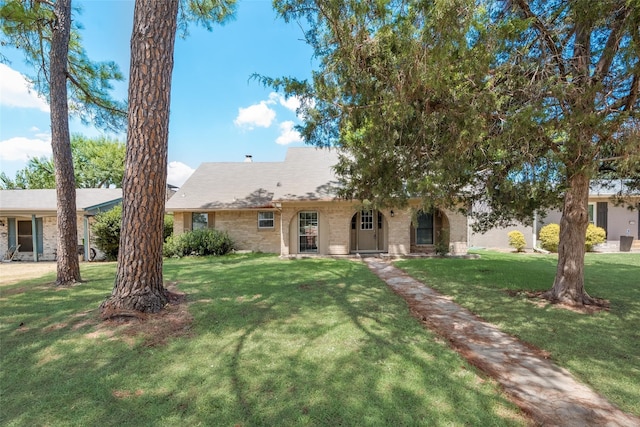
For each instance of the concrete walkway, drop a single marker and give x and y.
(548, 393)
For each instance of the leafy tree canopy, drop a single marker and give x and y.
(513, 104)
(464, 101)
(28, 25)
(97, 163)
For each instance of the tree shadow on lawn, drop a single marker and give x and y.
(598, 347)
(301, 342)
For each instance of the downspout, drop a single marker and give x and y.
(535, 227)
(34, 237)
(86, 241)
(278, 207)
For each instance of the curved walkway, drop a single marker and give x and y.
(550, 394)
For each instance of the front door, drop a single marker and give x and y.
(366, 229)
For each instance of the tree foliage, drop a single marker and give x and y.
(106, 230)
(97, 163)
(516, 105)
(28, 25)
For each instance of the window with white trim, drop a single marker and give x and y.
(366, 220)
(308, 231)
(591, 209)
(265, 220)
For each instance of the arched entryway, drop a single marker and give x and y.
(368, 231)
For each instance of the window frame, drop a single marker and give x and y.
(204, 215)
(418, 228)
(366, 220)
(302, 231)
(261, 220)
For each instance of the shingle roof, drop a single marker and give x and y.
(32, 201)
(305, 174)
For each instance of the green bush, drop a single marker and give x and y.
(550, 237)
(517, 240)
(168, 227)
(442, 243)
(595, 235)
(198, 242)
(106, 230)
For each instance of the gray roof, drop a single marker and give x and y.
(305, 174)
(27, 202)
(608, 188)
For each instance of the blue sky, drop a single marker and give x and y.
(217, 113)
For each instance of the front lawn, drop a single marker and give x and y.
(602, 350)
(272, 342)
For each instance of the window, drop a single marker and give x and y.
(424, 230)
(591, 210)
(308, 231)
(265, 220)
(199, 221)
(25, 236)
(366, 222)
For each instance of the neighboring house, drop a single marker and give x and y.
(291, 208)
(616, 220)
(28, 218)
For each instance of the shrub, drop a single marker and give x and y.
(442, 243)
(106, 230)
(168, 227)
(517, 240)
(550, 237)
(595, 235)
(198, 242)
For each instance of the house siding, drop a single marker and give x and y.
(620, 221)
(498, 237)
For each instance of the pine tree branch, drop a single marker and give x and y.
(612, 45)
(96, 101)
(549, 40)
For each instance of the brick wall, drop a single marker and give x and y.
(334, 228)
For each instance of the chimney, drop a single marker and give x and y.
(248, 158)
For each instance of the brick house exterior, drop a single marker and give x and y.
(28, 218)
(291, 208)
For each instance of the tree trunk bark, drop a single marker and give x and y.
(68, 267)
(568, 286)
(139, 282)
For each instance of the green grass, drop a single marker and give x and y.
(273, 342)
(602, 350)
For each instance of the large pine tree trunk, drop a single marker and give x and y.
(139, 285)
(568, 286)
(67, 250)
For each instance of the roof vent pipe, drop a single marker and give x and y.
(248, 158)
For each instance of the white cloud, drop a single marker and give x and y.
(292, 103)
(288, 134)
(20, 149)
(178, 173)
(17, 91)
(255, 115)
